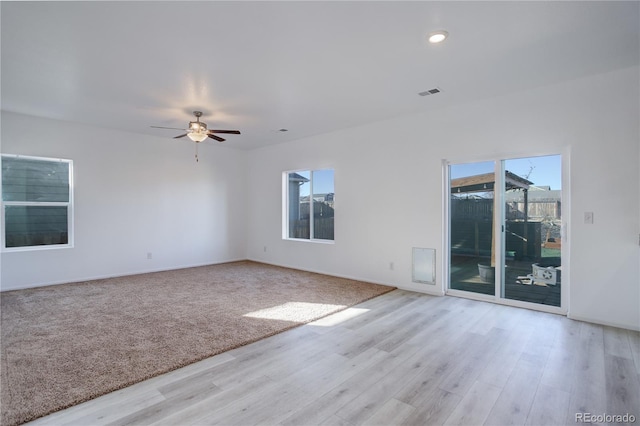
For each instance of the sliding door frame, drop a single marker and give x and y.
(499, 233)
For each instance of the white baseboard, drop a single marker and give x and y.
(428, 289)
(116, 275)
(348, 277)
(607, 323)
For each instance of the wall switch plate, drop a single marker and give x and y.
(588, 218)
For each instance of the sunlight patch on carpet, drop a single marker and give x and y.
(295, 311)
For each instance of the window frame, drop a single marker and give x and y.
(68, 204)
(286, 206)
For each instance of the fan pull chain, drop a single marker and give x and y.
(197, 160)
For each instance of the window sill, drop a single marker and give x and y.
(305, 240)
(36, 248)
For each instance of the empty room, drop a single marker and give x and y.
(320, 213)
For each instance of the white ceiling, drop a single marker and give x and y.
(310, 67)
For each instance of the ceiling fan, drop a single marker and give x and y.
(198, 131)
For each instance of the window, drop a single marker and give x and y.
(310, 205)
(37, 202)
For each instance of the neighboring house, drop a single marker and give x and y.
(295, 181)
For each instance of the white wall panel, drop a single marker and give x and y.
(134, 194)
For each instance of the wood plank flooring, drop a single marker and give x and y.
(399, 359)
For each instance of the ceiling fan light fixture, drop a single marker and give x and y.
(197, 136)
(198, 132)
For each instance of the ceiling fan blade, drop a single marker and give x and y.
(219, 139)
(181, 136)
(171, 128)
(234, 132)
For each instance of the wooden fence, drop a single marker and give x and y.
(479, 209)
(322, 228)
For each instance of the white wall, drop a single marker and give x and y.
(134, 194)
(388, 181)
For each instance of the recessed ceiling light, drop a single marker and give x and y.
(437, 36)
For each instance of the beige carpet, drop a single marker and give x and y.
(62, 345)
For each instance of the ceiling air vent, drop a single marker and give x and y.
(429, 92)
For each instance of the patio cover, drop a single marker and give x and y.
(486, 182)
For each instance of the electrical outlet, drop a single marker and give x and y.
(149, 255)
(265, 249)
(391, 266)
(588, 218)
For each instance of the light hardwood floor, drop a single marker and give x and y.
(400, 359)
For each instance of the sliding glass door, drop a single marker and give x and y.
(471, 225)
(533, 233)
(505, 228)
